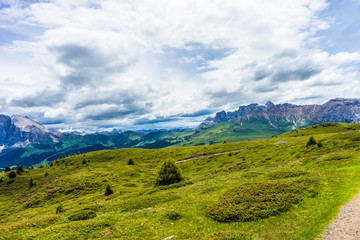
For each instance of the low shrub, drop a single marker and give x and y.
(146, 201)
(285, 173)
(221, 235)
(252, 201)
(172, 215)
(59, 209)
(82, 215)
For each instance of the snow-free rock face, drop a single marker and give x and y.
(346, 110)
(18, 130)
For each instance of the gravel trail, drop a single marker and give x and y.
(347, 223)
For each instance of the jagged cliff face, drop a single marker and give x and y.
(18, 130)
(335, 110)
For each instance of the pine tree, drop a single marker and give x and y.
(169, 173)
(20, 169)
(311, 142)
(31, 183)
(131, 162)
(108, 190)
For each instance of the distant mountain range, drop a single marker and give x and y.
(343, 110)
(26, 142)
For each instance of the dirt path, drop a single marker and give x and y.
(347, 223)
(214, 154)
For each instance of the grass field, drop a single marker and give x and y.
(282, 190)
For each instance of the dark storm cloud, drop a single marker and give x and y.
(44, 98)
(286, 66)
(145, 121)
(87, 66)
(223, 96)
(300, 73)
(115, 113)
(197, 114)
(127, 99)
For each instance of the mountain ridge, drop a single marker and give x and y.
(346, 110)
(20, 130)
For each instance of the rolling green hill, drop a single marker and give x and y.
(45, 152)
(277, 188)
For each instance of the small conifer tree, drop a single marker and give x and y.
(311, 142)
(131, 162)
(60, 209)
(31, 183)
(20, 169)
(108, 190)
(169, 173)
(84, 161)
(224, 141)
(32, 167)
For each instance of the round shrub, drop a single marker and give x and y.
(169, 173)
(285, 173)
(252, 201)
(83, 215)
(7, 169)
(12, 174)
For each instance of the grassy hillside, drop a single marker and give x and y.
(232, 131)
(265, 189)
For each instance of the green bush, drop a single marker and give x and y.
(285, 173)
(7, 169)
(169, 173)
(311, 142)
(172, 215)
(83, 215)
(221, 235)
(252, 201)
(12, 174)
(146, 201)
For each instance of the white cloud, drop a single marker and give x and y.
(109, 63)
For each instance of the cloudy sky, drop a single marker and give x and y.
(138, 64)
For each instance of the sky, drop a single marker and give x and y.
(153, 64)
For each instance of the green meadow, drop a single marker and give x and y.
(278, 188)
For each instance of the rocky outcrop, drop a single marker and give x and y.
(18, 130)
(344, 110)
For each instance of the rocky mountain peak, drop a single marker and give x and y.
(345, 110)
(19, 130)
